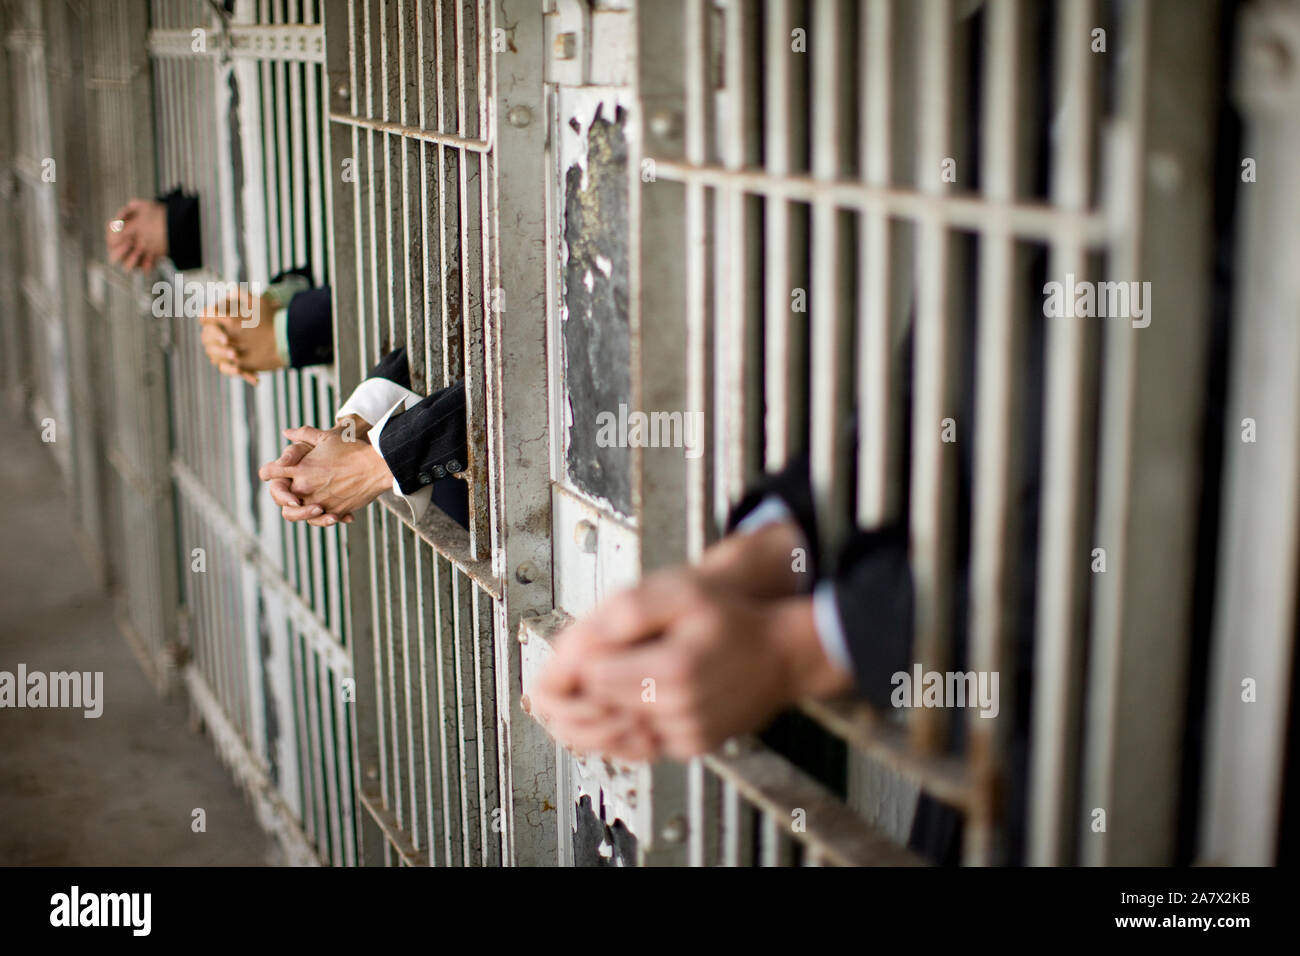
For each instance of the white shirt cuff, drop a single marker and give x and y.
(375, 396)
(830, 630)
(417, 501)
(771, 510)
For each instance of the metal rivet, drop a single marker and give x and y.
(526, 573)
(341, 91)
(519, 116)
(565, 46)
(666, 124)
(675, 830)
(372, 772)
(584, 535)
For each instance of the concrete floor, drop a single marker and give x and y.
(116, 790)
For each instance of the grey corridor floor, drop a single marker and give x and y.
(119, 789)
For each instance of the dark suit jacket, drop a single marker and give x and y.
(426, 444)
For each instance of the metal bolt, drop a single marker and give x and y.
(584, 535)
(372, 772)
(666, 124)
(731, 747)
(565, 46)
(341, 91)
(526, 573)
(675, 830)
(519, 116)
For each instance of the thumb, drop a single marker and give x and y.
(294, 453)
(305, 433)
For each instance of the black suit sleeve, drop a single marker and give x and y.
(875, 600)
(792, 486)
(426, 444)
(393, 367)
(310, 328)
(184, 237)
(427, 441)
(872, 583)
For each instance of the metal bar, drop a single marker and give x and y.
(1027, 220)
(1147, 507)
(1254, 628)
(832, 831)
(996, 453)
(1068, 424)
(935, 406)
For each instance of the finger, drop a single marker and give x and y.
(281, 495)
(635, 746)
(301, 512)
(249, 377)
(575, 709)
(305, 433)
(647, 609)
(212, 334)
(630, 616)
(123, 249)
(275, 469)
(561, 677)
(221, 324)
(685, 739)
(620, 676)
(294, 453)
(323, 521)
(587, 736)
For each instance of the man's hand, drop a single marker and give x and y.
(677, 665)
(239, 336)
(291, 506)
(137, 235)
(341, 473)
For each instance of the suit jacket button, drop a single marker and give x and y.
(425, 478)
(454, 466)
(439, 471)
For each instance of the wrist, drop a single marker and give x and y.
(381, 479)
(759, 563)
(792, 632)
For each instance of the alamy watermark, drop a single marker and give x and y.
(1102, 300)
(947, 689)
(185, 297)
(76, 689)
(75, 908)
(651, 430)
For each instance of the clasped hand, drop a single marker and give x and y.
(689, 657)
(325, 476)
